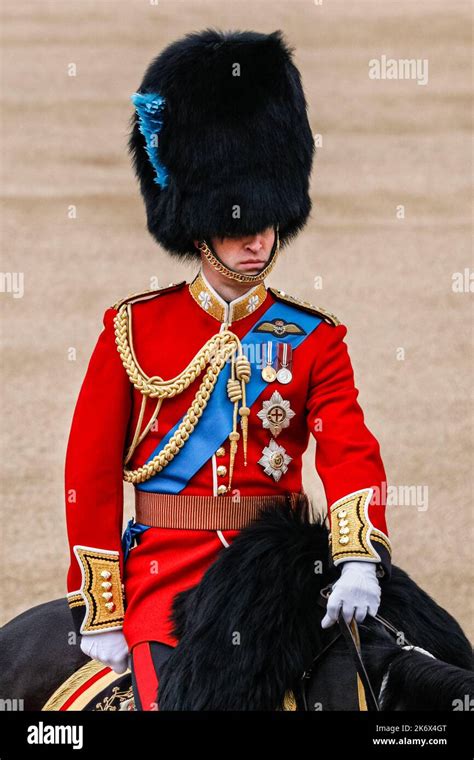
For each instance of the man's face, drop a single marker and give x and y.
(248, 254)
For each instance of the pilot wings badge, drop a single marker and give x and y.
(280, 328)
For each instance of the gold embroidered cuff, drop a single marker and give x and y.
(101, 590)
(352, 534)
(75, 599)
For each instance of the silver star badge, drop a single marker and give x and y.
(275, 460)
(276, 414)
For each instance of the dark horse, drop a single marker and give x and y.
(250, 634)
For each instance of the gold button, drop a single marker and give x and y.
(344, 540)
(222, 470)
(110, 606)
(343, 523)
(343, 531)
(220, 451)
(221, 490)
(342, 513)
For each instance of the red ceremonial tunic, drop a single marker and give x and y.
(169, 328)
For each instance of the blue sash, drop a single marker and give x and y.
(214, 426)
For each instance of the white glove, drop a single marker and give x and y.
(357, 592)
(109, 647)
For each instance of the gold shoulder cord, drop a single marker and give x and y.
(215, 353)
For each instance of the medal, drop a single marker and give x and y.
(269, 372)
(285, 352)
(274, 460)
(276, 414)
(284, 376)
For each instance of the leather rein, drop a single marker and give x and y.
(350, 633)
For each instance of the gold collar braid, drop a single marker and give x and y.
(219, 266)
(215, 353)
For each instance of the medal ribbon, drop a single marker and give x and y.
(285, 351)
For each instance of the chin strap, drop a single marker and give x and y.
(232, 274)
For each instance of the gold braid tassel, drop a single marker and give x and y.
(233, 438)
(234, 390)
(236, 393)
(243, 373)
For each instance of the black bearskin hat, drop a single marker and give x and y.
(220, 140)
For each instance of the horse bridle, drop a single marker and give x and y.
(350, 633)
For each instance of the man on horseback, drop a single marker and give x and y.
(204, 394)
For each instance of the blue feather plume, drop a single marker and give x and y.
(149, 107)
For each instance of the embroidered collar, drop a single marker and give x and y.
(225, 311)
